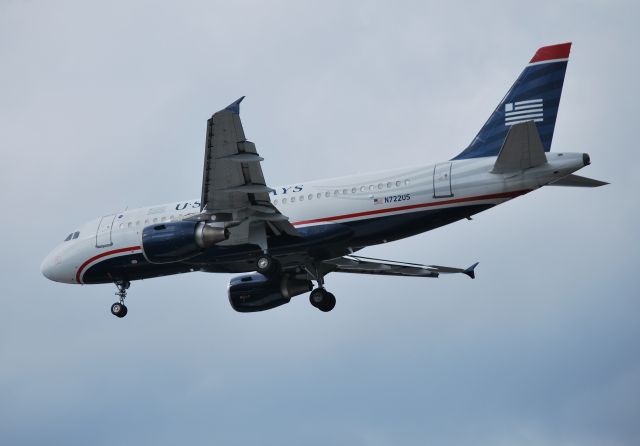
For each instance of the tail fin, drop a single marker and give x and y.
(534, 96)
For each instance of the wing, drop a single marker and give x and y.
(234, 191)
(368, 265)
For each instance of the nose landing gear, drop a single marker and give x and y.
(119, 309)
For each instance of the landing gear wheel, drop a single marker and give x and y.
(316, 297)
(267, 265)
(118, 309)
(322, 300)
(328, 303)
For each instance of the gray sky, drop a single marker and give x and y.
(103, 105)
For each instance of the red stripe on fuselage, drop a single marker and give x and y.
(101, 255)
(413, 206)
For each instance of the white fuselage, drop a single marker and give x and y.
(337, 200)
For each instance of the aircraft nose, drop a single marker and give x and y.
(47, 267)
(52, 269)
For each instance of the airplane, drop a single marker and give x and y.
(282, 239)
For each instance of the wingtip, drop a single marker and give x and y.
(235, 106)
(471, 270)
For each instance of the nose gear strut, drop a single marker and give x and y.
(119, 309)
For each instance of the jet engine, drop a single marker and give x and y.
(179, 240)
(255, 292)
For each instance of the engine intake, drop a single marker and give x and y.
(255, 292)
(179, 240)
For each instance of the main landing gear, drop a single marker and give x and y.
(119, 309)
(319, 297)
(322, 299)
(267, 265)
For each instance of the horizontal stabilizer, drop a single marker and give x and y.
(522, 149)
(369, 265)
(578, 181)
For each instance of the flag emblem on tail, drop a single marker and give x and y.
(522, 111)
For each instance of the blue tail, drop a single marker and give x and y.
(535, 96)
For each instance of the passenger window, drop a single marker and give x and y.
(68, 237)
(310, 197)
(163, 219)
(389, 184)
(406, 182)
(76, 235)
(301, 197)
(121, 225)
(318, 195)
(380, 186)
(363, 188)
(336, 192)
(130, 224)
(293, 199)
(345, 191)
(398, 183)
(353, 190)
(284, 201)
(371, 187)
(275, 201)
(155, 220)
(327, 194)
(146, 220)
(137, 222)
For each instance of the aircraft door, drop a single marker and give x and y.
(103, 235)
(442, 181)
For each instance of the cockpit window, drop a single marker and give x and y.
(73, 235)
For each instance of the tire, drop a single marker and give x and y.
(117, 309)
(124, 311)
(322, 300)
(316, 297)
(267, 265)
(328, 303)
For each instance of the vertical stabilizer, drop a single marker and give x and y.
(535, 96)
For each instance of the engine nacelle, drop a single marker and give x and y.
(255, 292)
(179, 240)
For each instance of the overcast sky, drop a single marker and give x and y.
(103, 105)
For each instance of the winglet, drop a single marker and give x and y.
(470, 271)
(235, 106)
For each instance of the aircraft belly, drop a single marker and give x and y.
(395, 227)
(129, 267)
